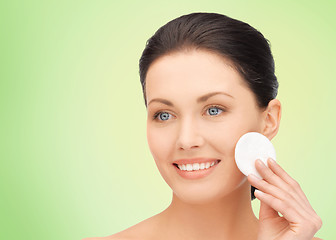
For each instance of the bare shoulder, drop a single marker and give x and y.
(144, 230)
(316, 238)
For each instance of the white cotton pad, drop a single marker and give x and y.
(250, 147)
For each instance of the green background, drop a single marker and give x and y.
(74, 156)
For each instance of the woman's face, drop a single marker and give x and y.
(186, 121)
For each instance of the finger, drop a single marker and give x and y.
(279, 171)
(278, 193)
(268, 175)
(289, 213)
(267, 211)
(272, 177)
(303, 207)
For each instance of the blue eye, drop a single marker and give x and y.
(163, 116)
(213, 111)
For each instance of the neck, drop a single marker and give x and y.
(230, 217)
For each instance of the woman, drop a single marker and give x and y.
(208, 79)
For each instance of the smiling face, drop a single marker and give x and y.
(198, 107)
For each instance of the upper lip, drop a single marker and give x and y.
(194, 160)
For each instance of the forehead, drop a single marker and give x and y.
(192, 73)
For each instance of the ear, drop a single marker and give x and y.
(271, 119)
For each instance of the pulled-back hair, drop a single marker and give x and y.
(241, 44)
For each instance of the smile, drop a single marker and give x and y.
(196, 166)
(196, 170)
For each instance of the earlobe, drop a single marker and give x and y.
(272, 116)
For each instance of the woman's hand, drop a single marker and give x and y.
(281, 193)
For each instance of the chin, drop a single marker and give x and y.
(205, 194)
(200, 196)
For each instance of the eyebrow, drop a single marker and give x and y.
(199, 100)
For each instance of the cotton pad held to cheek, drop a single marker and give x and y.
(250, 147)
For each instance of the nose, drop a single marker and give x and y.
(189, 135)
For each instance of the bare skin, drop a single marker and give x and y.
(217, 206)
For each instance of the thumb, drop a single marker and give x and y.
(267, 212)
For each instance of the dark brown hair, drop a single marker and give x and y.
(235, 40)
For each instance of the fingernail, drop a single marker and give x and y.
(261, 163)
(272, 161)
(258, 192)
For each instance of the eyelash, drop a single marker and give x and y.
(212, 106)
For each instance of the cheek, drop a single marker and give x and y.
(159, 141)
(224, 135)
(223, 138)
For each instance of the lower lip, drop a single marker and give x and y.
(197, 174)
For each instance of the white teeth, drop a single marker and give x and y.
(189, 167)
(196, 166)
